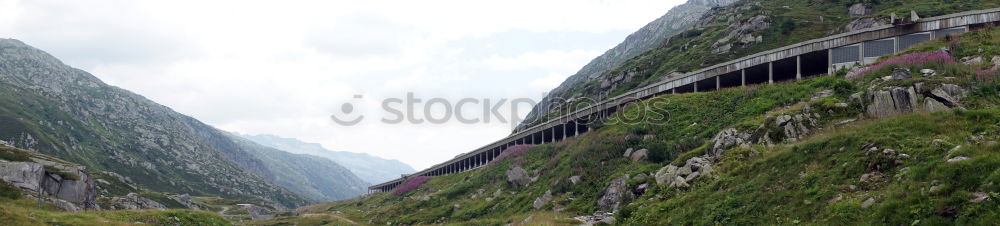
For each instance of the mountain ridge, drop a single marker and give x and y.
(369, 168)
(58, 110)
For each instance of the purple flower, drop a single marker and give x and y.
(906, 60)
(512, 151)
(411, 183)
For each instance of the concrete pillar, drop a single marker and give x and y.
(770, 72)
(798, 67)
(673, 91)
(743, 77)
(717, 85)
(695, 86)
(829, 61)
(861, 53)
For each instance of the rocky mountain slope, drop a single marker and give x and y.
(372, 170)
(736, 30)
(674, 21)
(909, 140)
(317, 178)
(49, 107)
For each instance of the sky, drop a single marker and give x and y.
(286, 67)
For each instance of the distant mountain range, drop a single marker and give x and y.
(49, 107)
(369, 168)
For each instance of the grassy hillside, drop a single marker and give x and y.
(943, 167)
(16, 211)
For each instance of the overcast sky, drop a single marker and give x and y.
(283, 67)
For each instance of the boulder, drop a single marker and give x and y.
(928, 72)
(725, 139)
(517, 176)
(542, 200)
(890, 101)
(639, 155)
(971, 60)
(574, 179)
(957, 159)
(640, 177)
(628, 153)
(76, 187)
(666, 174)
(901, 73)
(868, 203)
(943, 96)
(133, 201)
(186, 200)
(613, 194)
(858, 9)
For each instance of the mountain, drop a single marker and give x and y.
(371, 169)
(673, 22)
(49, 107)
(314, 177)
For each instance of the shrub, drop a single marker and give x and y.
(411, 183)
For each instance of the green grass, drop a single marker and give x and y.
(17, 212)
(793, 183)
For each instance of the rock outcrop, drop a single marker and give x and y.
(133, 201)
(681, 177)
(517, 176)
(60, 180)
(542, 200)
(614, 194)
(890, 101)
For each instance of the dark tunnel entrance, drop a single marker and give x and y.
(757, 74)
(815, 63)
(707, 84)
(731, 79)
(785, 69)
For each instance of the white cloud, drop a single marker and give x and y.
(283, 67)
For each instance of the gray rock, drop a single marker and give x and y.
(133, 201)
(613, 194)
(932, 105)
(628, 153)
(957, 159)
(890, 101)
(901, 73)
(868, 203)
(256, 212)
(186, 200)
(518, 176)
(641, 177)
(979, 197)
(928, 72)
(666, 174)
(725, 139)
(542, 200)
(944, 97)
(971, 60)
(32, 177)
(574, 179)
(858, 9)
(639, 155)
